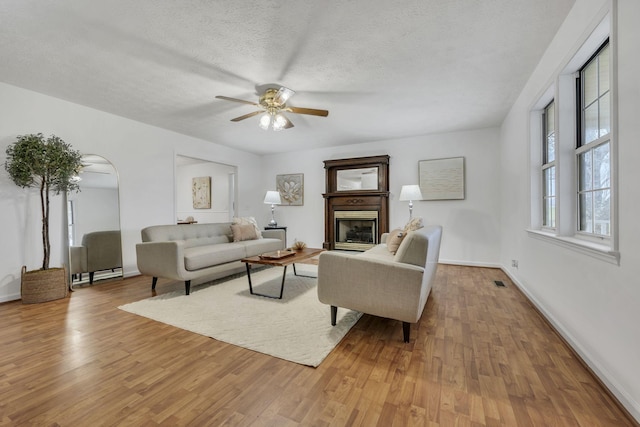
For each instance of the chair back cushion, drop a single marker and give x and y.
(104, 250)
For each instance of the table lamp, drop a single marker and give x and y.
(410, 193)
(272, 198)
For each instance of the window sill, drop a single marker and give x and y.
(596, 250)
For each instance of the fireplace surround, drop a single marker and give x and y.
(356, 202)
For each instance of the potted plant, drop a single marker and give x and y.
(49, 164)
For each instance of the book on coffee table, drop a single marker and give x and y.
(277, 254)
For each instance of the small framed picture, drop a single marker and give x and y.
(201, 190)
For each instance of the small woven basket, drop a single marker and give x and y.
(43, 285)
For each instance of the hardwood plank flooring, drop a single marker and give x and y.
(480, 356)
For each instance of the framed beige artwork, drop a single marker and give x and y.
(201, 190)
(442, 179)
(291, 189)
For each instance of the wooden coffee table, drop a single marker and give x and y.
(282, 259)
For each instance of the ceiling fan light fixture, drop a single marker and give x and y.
(279, 122)
(273, 121)
(283, 95)
(265, 121)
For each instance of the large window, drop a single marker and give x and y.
(573, 152)
(593, 148)
(549, 167)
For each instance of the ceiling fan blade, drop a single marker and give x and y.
(226, 98)
(90, 171)
(246, 116)
(310, 111)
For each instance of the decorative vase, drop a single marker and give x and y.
(43, 285)
(298, 245)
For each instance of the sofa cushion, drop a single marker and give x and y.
(199, 257)
(243, 232)
(205, 241)
(378, 252)
(414, 224)
(260, 246)
(394, 239)
(248, 220)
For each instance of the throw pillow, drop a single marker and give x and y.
(394, 239)
(414, 224)
(251, 221)
(243, 232)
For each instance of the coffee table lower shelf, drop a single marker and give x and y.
(299, 255)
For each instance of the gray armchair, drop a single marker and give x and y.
(100, 250)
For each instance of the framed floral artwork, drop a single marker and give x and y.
(291, 189)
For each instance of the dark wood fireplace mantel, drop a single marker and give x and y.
(374, 197)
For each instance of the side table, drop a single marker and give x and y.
(278, 227)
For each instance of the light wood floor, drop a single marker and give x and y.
(480, 356)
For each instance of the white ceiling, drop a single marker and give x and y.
(384, 69)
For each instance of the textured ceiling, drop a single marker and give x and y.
(384, 69)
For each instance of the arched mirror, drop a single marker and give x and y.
(93, 223)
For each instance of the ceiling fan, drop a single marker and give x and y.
(272, 104)
(84, 169)
(93, 168)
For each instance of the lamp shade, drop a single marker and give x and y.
(410, 192)
(272, 198)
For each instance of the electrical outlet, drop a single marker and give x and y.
(514, 263)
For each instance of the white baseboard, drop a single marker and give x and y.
(632, 407)
(469, 263)
(131, 273)
(10, 297)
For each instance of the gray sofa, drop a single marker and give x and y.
(378, 282)
(194, 251)
(100, 250)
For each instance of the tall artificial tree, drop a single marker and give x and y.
(47, 164)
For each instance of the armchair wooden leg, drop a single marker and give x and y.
(334, 314)
(91, 277)
(406, 326)
(154, 281)
(187, 287)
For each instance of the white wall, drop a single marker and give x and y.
(219, 173)
(593, 303)
(143, 155)
(471, 225)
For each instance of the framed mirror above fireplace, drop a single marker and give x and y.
(357, 179)
(356, 202)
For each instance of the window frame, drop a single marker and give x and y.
(583, 147)
(547, 165)
(562, 91)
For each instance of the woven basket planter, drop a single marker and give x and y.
(43, 285)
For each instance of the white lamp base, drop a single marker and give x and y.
(273, 222)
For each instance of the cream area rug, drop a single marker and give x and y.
(296, 328)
